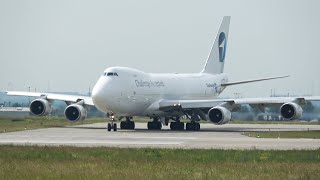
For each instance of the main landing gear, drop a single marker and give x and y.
(193, 126)
(155, 124)
(127, 124)
(177, 125)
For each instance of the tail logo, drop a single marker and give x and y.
(222, 46)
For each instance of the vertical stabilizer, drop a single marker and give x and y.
(215, 61)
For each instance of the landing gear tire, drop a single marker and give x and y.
(122, 125)
(154, 125)
(127, 125)
(109, 127)
(177, 126)
(133, 125)
(193, 126)
(112, 126)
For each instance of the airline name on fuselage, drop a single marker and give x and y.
(149, 84)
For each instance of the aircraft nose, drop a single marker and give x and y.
(97, 96)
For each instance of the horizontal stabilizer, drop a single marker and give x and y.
(251, 81)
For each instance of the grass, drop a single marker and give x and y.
(32, 162)
(18, 124)
(285, 134)
(275, 122)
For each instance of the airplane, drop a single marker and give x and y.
(123, 92)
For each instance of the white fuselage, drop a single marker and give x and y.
(130, 92)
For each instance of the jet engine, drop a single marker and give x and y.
(75, 112)
(40, 107)
(291, 111)
(219, 115)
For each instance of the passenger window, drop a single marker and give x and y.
(110, 74)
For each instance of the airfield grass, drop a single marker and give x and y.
(285, 134)
(9, 124)
(276, 122)
(34, 162)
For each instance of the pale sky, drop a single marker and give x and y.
(66, 45)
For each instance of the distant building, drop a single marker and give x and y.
(14, 111)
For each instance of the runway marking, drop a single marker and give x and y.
(129, 137)
(93, 142)
(162, 137)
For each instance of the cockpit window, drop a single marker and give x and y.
(110, 74)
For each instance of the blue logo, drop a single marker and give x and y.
(222, 46)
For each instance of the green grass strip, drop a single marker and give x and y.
(285, 134)
(32, 162)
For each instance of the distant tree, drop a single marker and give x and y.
(16, 104)
(309, 107)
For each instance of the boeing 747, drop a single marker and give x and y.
(123, 93)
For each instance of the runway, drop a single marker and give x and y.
(210, 136)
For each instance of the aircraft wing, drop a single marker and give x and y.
(53, 96)
(170, 105)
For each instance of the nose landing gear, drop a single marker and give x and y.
(112, 125)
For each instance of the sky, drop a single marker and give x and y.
(64, 45)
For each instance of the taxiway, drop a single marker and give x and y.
(210, 136)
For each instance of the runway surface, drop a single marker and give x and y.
(227, 136)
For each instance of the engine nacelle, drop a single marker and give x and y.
(291, 111)
(219, 115)
(40, 107)
(75, 112)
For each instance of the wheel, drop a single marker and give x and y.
(109, 127)
(197, 126)
(188, 126)
(150, 125)
(181, 126)
(193, 126)
(154, 125)
(132, 125)
(173, 126)
(158, 125)
(122, 125)
(114, 126)
(177, 126)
